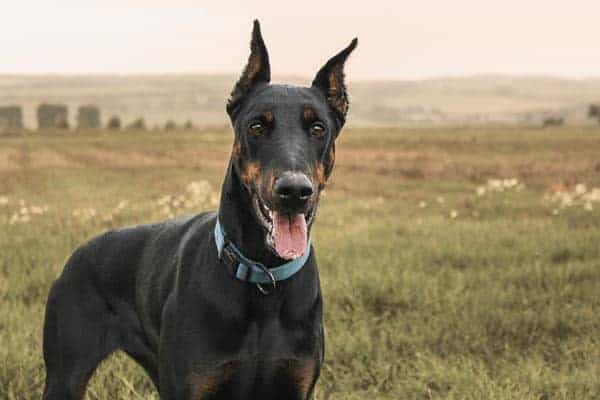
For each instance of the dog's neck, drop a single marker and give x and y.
(238, 222)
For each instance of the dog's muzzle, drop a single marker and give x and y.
(292, 192)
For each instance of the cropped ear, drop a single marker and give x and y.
(257, 70)
(330, 80)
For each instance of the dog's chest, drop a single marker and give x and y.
(273, 358)
(246, 345)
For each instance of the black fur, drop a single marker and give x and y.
(159, 292)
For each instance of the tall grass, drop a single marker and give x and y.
(434, 288)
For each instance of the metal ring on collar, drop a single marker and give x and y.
(271, 277)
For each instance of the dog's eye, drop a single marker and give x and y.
(256, 128)
(317, 129)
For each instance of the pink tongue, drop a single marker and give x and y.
(289, 233)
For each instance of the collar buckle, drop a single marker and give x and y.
(232, 259)
(228, 255)
(273, 282)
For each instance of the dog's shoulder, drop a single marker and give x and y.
(153, 240)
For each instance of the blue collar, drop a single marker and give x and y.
(251, 271)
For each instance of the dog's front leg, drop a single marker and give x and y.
(168, 364)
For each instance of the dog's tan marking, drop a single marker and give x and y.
(268, 116)
(237, 149)
(202, 384)
(319, 176)
(330, 160)
(270, 179)
(309, 114)
(254, 65)
(80, 391)
(251, 173)
(335, 97)
(333, 84)
(304, 373)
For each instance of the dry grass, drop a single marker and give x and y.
(438, 283)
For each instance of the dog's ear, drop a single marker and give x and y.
(330, 80)
(257, 70)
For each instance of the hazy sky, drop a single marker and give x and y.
(397, 39)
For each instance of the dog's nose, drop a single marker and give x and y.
(292, 190)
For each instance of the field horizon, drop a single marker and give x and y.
(476, 100)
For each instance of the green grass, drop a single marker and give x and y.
(500, 302)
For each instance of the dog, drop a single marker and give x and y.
(220, 305)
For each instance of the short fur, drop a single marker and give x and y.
(159, 292)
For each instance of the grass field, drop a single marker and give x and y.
(440, 281)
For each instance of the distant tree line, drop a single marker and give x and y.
(56, 117)
(557, 120)
(11, 117)
(553, 121)
(594, 111)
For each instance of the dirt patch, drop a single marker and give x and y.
(8, 160)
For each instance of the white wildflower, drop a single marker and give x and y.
(495, 184)
(122, 204)
(164, 200)
(198, 187)
(36, 210)
(14, 219)
(580, 189)
(592, 196)
(566, 200)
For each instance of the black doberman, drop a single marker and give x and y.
(183, 297)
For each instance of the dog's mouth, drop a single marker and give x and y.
(287, 233)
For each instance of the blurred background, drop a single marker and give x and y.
(457, 239)
(436, 63)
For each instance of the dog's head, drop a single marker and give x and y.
(284, 148)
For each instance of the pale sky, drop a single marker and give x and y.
(397, 39)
